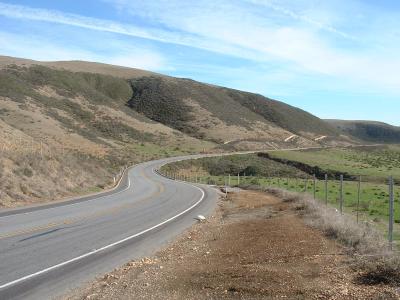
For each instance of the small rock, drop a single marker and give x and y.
(200, 218)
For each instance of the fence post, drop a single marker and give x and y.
(229, 179)
(315, 188)
(358, 196)
(238, 179)
(326, 189)
(391, 212)
(341, 194)
(226, 189)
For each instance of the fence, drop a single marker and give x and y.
(367, 201)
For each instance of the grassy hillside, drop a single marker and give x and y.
(257, 164)
(79, 66)
(368, 131)
(64, 132)
(288, 117)
(224, 115)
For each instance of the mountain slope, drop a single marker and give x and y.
(64, 132)
(66, 127)
(79, 66)
(368, 131)
(221, 114)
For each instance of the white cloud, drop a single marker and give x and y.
(301, 17)
(265, 35)
(37, 48)
(45, 15)
(243, 30)
(139, 59)
(42, 49)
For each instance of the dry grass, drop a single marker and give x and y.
(365, 245)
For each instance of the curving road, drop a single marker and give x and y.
(47, 250)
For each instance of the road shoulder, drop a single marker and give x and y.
(254, 247)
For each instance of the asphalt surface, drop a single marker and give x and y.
(45, 251)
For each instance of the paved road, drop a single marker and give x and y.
(46, 251)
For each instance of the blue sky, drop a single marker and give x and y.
(336, 59)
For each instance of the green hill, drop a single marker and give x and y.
(368, 131)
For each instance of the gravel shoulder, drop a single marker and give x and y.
(253, 247)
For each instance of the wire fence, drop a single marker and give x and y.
(366, 201)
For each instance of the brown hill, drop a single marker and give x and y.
(66, 127)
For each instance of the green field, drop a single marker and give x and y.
(281, 169)
(376, 164)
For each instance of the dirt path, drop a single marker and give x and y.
(255, 247)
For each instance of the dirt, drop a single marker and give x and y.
(254, 247)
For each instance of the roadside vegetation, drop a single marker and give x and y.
(294, 171)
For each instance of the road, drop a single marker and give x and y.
(48, 250)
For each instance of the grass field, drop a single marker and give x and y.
(374, 163)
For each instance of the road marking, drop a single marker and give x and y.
(108, 246)
(95, 215)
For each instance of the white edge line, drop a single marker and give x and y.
(108, 246)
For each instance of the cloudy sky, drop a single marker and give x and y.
(336, 59)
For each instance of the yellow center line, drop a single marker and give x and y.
(111, 211)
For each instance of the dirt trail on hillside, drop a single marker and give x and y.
(254, 247)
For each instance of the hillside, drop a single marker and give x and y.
(64, 133)
(226, 116)
(79, 66)
(368, 131)
(68, 127)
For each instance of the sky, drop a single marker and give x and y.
(336, 59)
